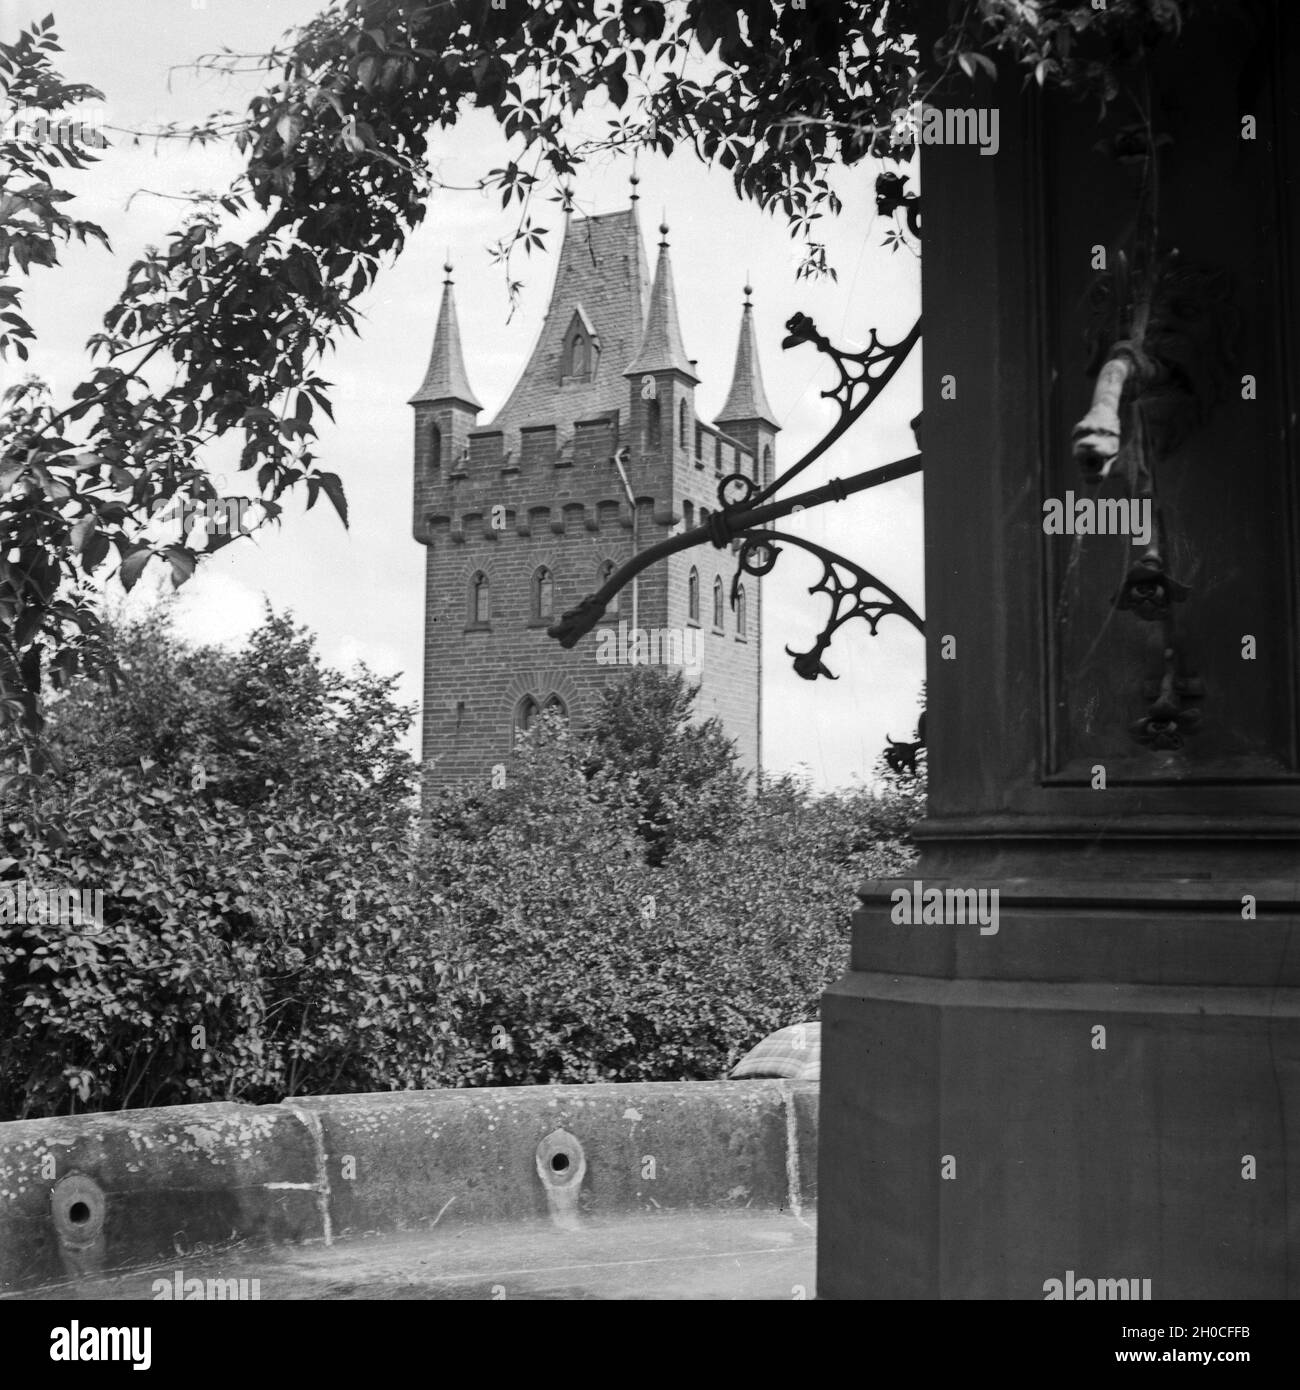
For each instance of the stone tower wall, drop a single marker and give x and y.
(547, 479)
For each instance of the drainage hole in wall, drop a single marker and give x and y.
(79, 1213)
(560, 1162)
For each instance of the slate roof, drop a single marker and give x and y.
(446, 378)
(747, 400)
(661, 348)
(602, 271)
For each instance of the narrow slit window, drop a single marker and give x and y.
(480, 599)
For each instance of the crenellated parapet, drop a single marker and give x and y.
(609, 518)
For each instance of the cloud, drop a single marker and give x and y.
(216, 608)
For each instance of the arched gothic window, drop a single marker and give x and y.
(767, 465)
(526, 715)
(717, 603)
(529, 711)
(693, 595)
(434, 459)
(688, 515)
(543, 604)
(742, 616)
(683, 426)
(480, 599)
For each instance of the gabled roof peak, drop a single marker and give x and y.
(580, 314)
(600, 276)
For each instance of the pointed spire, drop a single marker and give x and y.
(747, 400)
(446, 379)
(661, 347)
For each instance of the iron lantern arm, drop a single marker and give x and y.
(725, 526)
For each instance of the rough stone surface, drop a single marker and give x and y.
(186, 1181)
(420, 1158)
(174, 1179)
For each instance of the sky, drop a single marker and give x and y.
(360, 589)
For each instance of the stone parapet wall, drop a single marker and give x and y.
(87, 1195)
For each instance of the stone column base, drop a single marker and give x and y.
(1105, 1088)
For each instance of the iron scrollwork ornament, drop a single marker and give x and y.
(746, 509)
(861, 596)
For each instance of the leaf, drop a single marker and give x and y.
(182, 561)
(96, 550)
(28, 626)
(289, 129)
(82, 532)
(133, 565)
(971, 62)
(333, 487)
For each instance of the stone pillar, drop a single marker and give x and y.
(1110, 1083)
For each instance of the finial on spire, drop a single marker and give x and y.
(446, 267)
(634, 179)
(663, 228)
(566, 192)
(749, 289)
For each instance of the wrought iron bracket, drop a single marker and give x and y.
(851, 599)
(863, 376)
(720, 530)
(746, 507)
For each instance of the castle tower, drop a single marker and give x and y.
(748, 418)
(445, 406)
(663, 383)
(525, 516)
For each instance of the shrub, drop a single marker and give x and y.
(278, 920)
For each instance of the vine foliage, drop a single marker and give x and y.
(216, 335)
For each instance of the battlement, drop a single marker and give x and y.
(719, 453)
(608, 517)
(572, 470)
